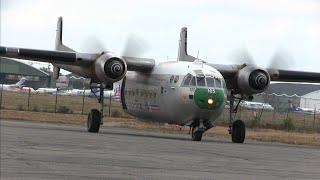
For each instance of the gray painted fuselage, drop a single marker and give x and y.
(157, 96)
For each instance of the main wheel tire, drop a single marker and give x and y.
(238, 131)
(196, 136)
(94, 121)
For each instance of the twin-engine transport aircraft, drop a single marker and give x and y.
(188, 92)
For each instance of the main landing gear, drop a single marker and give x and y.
(95, 117)
(237, 128)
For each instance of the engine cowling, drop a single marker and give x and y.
(252, 80)
(110, 68)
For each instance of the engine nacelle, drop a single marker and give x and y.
(110, 68)
(252, 80)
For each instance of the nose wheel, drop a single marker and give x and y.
(196, 135)
(198, 128)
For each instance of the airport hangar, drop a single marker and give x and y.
(301, 94)
(11, 71)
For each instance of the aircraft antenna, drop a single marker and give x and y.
(198, 55)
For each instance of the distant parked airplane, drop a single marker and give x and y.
(25, 88)
(256, 106)
(13, 87)
(296, 109)
(47, 90)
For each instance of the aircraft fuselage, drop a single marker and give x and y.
(164, 94)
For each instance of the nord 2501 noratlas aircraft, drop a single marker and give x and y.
(188, 92)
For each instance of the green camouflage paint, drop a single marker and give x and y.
(201, 96)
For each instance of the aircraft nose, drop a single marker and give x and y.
(208, 98)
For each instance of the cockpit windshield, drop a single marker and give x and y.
(193, 81)
(218, 82)
(202, 81)
(210, 81)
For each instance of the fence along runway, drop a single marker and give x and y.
(31, 150)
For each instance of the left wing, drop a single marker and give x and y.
(250, 79)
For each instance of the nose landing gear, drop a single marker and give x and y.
(198, 128)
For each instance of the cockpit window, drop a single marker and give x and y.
(210, 82)
(187, 80)
(201, 81)
(218, 82)
(193, 81)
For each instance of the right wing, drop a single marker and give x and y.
(56, 57)
(101, 68)
(72, 58)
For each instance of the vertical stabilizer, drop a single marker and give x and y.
(183, 53)
(59, 45)
(19, 83)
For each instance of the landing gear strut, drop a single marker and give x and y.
(95, 117)
(198, 128)
(237, 128)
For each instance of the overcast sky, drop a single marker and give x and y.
(215, 28)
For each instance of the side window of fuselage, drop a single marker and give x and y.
(186, 80)
(176, 79)
(171, 79)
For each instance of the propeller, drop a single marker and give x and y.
(134, 47)
(93, 45)
(241, 56)
(281, 59)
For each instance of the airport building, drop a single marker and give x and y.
(300, 94)
(11, 71)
